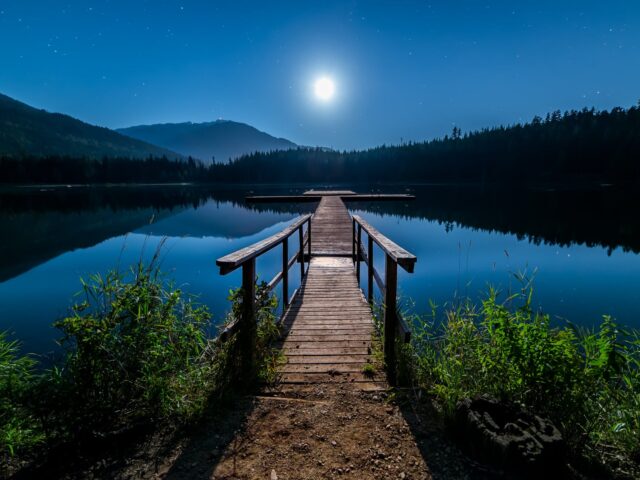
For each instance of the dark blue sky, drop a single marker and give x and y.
(402, 69)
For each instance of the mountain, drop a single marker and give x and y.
(222, 139)
(27, 131)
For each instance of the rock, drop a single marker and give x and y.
(274, 475)
(508, 437)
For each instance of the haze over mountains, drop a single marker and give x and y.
(27, 131)
(221, 140)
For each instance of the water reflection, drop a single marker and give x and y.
(465, 237)
(40, 224)
(603, 217)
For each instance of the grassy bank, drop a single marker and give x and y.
(136, 352)
(586, 381)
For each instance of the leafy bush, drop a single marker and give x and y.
(18, 428)
(266, 356)
(586, 381)
(135, 348)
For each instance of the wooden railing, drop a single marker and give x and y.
(245, 326)
(395, 255)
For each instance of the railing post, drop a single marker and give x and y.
(353, 241)
(285, 272)
(309, 239)
(370, 270)
(248, 329)
(358, 249)
(301, 252)
(390, 318)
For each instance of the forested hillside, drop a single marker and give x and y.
(28, 132)
(584, 146)
(219, 141)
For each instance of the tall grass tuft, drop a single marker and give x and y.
(137, 351)
(19, 429)
(586, 381)
(136, 348)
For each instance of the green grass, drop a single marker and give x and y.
(368, 370)
(136, 350)
(19, 429)
(586, 381)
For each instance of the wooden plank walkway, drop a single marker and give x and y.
(312, 196)
(331, 228)
(328, 327)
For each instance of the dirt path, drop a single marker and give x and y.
(321, 433)
(346, 434)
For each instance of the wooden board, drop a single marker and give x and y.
(328, 327)
(329, 192)
(315, 196)
(331, 234)
(403, 258)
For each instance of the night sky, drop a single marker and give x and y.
(402, 70)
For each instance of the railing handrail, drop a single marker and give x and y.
(234, 260)
(393, 323)
(399, 255)
(245, 325)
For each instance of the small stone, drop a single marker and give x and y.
(274, 475)
(334, 443)
(402, 475)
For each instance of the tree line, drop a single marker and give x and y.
(574, 146)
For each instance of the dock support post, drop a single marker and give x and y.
(353, 241)
(285, 273)
(370, 270)
(358, 249)
(301, 254)
(248, 330)
(390, 318)
(309, 239)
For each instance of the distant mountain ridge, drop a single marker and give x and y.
(28, 131)
(221, 140)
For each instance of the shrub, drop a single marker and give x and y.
(135, 349)
(18, 428)
(586, 381)
(266, 356)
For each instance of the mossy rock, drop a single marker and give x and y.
(508, 437)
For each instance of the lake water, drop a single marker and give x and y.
(581, 246)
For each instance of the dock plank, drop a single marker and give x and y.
(331, 234)
(329, 326)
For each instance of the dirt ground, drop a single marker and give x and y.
(323, 432)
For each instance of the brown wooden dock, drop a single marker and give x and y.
(331, 229)
(327, 325)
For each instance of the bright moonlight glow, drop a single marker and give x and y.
(324, 88)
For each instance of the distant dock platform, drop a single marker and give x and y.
(316, 196)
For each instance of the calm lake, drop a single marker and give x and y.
(580, 246)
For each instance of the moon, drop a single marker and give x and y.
(324, 89)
